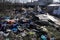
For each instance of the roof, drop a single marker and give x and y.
(54, 5)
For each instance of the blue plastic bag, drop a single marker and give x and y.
(43, 37)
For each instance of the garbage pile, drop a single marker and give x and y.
(25, 27)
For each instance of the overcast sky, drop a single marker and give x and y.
(21, 1)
